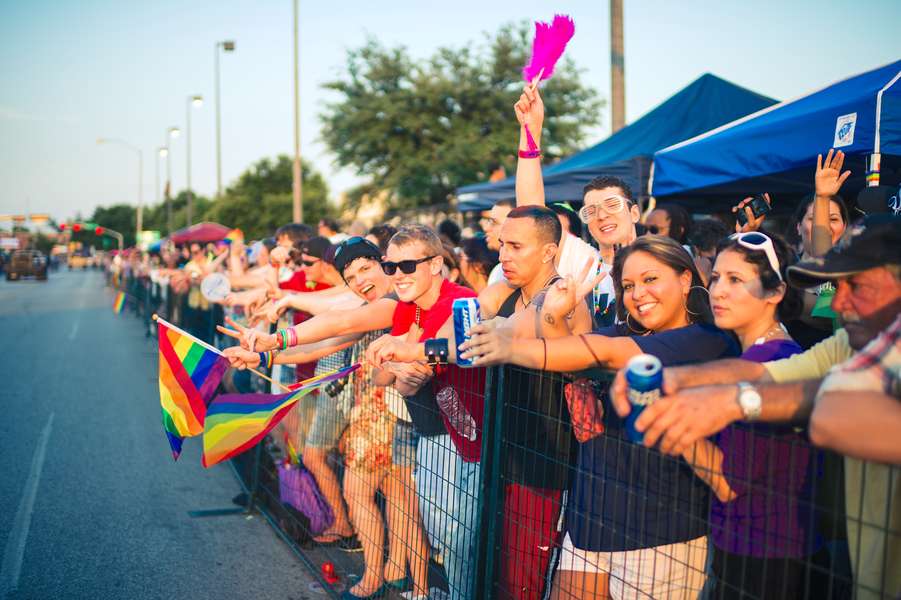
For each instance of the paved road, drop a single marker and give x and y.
(91, 504)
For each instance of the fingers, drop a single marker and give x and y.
(819, 162)
(229, 332)
(838, 161)
(230, 321)
(619, 394)
(844, 176)
(828, 161)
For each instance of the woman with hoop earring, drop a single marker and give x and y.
(637, 520)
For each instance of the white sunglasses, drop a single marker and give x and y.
(611, 206)
(754, 240)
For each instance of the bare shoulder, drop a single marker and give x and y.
(491, 298)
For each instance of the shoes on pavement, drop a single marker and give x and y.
(347, 595)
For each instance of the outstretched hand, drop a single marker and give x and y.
(241, 359)
(488, 345)
(250, 339)
(829, 177)
(564, 295)
(753, 223)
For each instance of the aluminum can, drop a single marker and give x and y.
(466, 314)
(644, 375)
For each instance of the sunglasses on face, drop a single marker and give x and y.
(612, 205)
(760, 242)
(406, 266)
(309, 263)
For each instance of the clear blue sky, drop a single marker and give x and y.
(76, 71)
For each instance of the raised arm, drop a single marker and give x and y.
(828, 181)
(530, 114)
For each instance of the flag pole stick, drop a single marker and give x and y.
(156, 317)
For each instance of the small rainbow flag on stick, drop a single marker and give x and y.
(190, 371)
(119, 303)
(236, 422)
(233, 236)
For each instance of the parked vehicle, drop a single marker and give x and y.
(27, 263)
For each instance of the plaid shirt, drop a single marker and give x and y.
(877, 367)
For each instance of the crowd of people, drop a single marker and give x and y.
(769, 468)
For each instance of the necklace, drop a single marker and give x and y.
(522, 294)
(776, 328)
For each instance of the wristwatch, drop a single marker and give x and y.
(749, 400)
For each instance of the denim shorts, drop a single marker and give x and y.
(403, 451)
(328, 423)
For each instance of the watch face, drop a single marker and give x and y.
(215, 287)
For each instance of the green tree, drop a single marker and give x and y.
(119, 217)
(422, 129)
(261, 199)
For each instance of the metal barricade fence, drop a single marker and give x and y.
(544, 495)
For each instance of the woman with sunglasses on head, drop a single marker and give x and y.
(637, 520)
(761, 514)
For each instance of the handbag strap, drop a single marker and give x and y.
(591, 350)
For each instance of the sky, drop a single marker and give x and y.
(75, 71)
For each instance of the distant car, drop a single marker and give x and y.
(24, 263)
(77, 261)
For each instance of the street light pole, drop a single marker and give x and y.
(298, 175)
(227, 46)
(195, 100)
(139, 213)
(172, 133)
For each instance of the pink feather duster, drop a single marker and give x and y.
(550, 42)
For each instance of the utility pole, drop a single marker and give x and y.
(297, 187)
(617, 67)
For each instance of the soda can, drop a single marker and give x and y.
(466, 314)
(644, 375)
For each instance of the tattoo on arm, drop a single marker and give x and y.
(549, 319)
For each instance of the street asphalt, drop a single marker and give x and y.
(91, 503)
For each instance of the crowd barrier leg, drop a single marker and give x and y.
(491, 501)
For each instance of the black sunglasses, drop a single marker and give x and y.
(309, 263)
(406, 266)
(348, 243)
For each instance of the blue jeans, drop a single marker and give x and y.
(448, 499)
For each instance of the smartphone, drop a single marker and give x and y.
(759, 207)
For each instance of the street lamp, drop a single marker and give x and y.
(296, 172)
(226, 46)
(139, 214)
(195, 101)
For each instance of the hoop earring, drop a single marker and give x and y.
(685, 300)
(630, 326)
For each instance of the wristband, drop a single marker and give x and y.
(530, 153)
(436, 351)
(267, 359)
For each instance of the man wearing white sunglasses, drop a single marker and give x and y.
(609, 209)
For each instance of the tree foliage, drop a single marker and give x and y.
(259, 202)
(422, 129)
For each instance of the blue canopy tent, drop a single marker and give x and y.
(705, 103)
(775, 149)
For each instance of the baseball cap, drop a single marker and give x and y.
(353, 248)
(871, 242)
(880, 199)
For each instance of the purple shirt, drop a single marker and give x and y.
(769, 467)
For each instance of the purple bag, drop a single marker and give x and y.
(297, 488)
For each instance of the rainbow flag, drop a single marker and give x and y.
(237, 422)
(190, 371)
(233, 236)
(119, 303)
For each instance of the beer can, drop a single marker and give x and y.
(466, 314)
(644, 375)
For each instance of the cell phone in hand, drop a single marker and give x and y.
(759, 207)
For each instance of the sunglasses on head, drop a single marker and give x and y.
(612, 205)
(406, 266)
(760, 242)
(351, 241)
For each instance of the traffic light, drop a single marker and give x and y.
(62, 227)
(98, 230)
(76, 227)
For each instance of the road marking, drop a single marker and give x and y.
(15, 545)
(74, 330)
